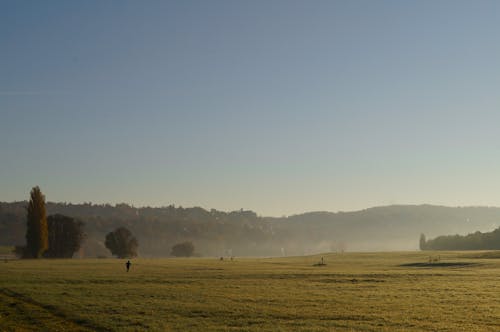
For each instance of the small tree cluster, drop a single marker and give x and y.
(54, 236)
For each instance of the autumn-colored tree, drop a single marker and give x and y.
(37, 241)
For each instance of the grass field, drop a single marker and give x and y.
(353, 292)
(6, 250)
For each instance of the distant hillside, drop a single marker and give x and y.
(244, 233)
(396, 227)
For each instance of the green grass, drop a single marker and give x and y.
(353, 292)
(4, 250)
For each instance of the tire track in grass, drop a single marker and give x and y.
(16, 315)
(35, 311)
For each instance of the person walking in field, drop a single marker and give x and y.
(128, 265)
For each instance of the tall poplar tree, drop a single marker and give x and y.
(37, 238)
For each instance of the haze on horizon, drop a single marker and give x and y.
(278, 107)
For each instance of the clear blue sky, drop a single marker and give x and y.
(276, 106)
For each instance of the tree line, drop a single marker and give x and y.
(244, 233)
(472, 241)
(158, 230)
(61, 236)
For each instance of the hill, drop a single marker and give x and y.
(244, 233)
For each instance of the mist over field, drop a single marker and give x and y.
(244, 233)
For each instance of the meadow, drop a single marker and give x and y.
(353, 292)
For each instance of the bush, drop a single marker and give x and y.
(184, 249)
(20, 252)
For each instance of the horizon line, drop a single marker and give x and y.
(259, 215)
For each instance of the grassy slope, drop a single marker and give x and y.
(362, 292)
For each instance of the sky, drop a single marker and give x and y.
(279, 107)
